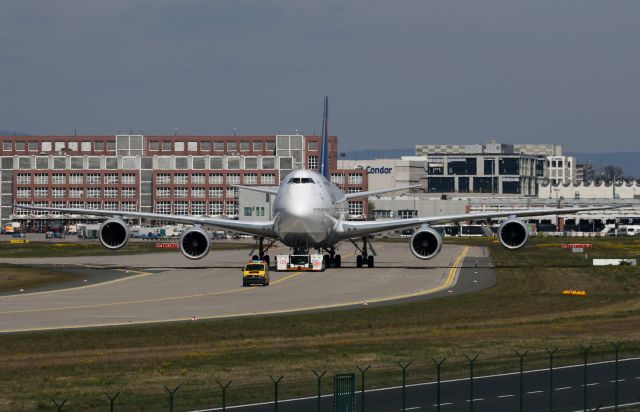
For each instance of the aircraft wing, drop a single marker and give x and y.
(352, 229)
(254, 228)
(377, 192)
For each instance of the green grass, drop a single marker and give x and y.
(525, 311)
(90, 248)
(15, 277)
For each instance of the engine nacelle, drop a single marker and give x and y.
(513, 233)
(195, 243)
(425, 243)
(113, 233)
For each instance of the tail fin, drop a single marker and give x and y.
(324, 163)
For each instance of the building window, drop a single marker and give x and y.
(128, 206)
(257, 146)
(232, 146)
(178, 146)
(466, 166)
(110, 192)
(76, 205)
(23, 192)
(77, 162)
(24, 163)
(199, 162)
(205, 146)
(162, 178)
(313, 146)
(251, 179)
(154, 146)
(23, 178)
(407, 214)
(233, 179)
(42, 163)
(163, 208)
(58, 179)
(181, 208)
(355, 179)
(509, 166)
(128, 179)
(41, 192)
(216, 178)
(440, 184)
(215, 208)
(268, 163)
(356, 208)
(180, 178)
(268, 179)
(166, 146)
(7, 146)
(197, 192)
(355, 190)
(180, 192)
(33, 146)
(489, 167)
(93, 192)
(182, 163)
(58, 205)
(218, 146)
(215, 192)
(111, 179)
(215, 163)
(94, 163)
(111, 163)
(41, 178)
(98, 146)
(128, 192)
(111, 146)
(337, 178)
(312, 163)
(192, 146)
(231, 208)
(271, 146)
(76, 192)
(163, 192)
(198, 178)
(75, 178)
(233, 162)
(248, 211)
(198, 208)
(250, 163)
(232, 192)
(72, 146)
(245, 146)
(59, 163)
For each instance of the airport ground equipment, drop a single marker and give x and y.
(315, 263)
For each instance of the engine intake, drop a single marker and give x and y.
(195, 243)
(513, 233)
(113, 233)
(425, 243)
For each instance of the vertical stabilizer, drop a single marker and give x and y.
(324, 163)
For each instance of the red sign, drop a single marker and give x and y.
(577, 246)
(167, 246)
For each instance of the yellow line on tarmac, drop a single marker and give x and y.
(287, 277)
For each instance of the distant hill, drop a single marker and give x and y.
(628, 161)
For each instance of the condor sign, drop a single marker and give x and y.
(379, 170)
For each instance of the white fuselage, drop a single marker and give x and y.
(307, 210)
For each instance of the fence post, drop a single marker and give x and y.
(438, 369)
(319, 378)
(616, 347)
(112, 400)
(551, 353)
(172, 394)
(224, 393)
(275, 391)
(471, 363)
(521, 356)
(404, 383)
(362, 372)
(59, 405)
(585, 380)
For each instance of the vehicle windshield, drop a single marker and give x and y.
(301, 180)
(254, 267)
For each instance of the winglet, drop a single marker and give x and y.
(324, 164)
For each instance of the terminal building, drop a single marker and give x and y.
(162, 174)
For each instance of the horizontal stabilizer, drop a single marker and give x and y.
(377, 192)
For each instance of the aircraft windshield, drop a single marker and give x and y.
(301, 180)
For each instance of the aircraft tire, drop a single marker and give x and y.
(370, 261)
(359, 261)
(337, 261)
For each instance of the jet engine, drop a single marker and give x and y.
(113, 233)
(425, 243)
(513, 233)
(195, 243)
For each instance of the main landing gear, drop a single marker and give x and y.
(262, 251)
(364, 258)
(331, 259)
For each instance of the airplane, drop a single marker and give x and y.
(309, 213)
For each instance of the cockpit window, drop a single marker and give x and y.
(301, 180)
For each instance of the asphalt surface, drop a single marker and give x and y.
(168, 287)
(495, 393)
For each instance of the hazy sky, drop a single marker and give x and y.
(397, 72)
